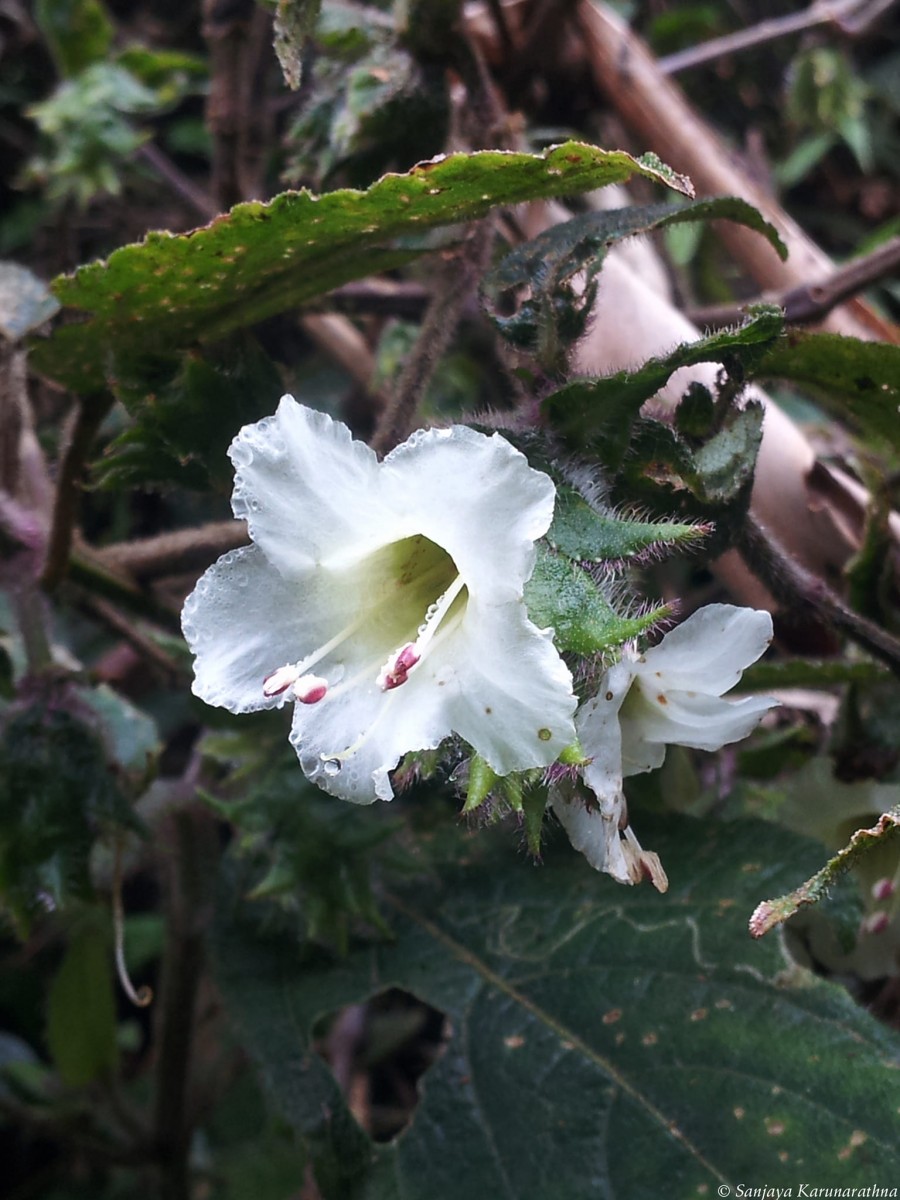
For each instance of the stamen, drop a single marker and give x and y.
(295, 673)
(310, 689)
(279, 681)
(397, 668)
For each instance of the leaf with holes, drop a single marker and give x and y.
(169, 292)
(603, 1041)
(599, 413)
(547, 265)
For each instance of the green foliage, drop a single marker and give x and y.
(57, 795)
(601, 412)
(826, 102)
(294, 21)
(79, 33)
(87, 133)
(857, 382)
(563, 595)
(582, 533)
(555, 311)
(374, 106)
(81, 1025)
(262, 259)
(186, 412)
(605, 994)
(297, 845)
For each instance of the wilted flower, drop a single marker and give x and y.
(384, 599)
(669, 695)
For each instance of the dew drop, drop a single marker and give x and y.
(331, 766)
(241, 454)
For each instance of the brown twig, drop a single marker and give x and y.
(847, 15)
(125, 627)
(456, 281)
(172, 553)
(797, 588)
(197, 199)
(194, 853)
(659, 113)
(89, 416)
(381, 297)
(813, 301)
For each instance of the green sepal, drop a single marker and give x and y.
(512, 789)
(482, 778)
(580, 532)
(534, 805)
(574, 756)
(563, 595)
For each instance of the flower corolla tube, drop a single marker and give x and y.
(671, 695)
(383, 599)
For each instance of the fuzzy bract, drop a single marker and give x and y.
(384, 599)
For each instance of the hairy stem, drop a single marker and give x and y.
(456, 282)
(796, 587)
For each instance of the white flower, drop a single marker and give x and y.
(384, 599)
(670, 695)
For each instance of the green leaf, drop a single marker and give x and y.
(723, 466)
(563, 595)
(600, 412)
(857, 382)
(581, 533)
(130, 737)
(187, 410)
(168, 291)
(546, 265)
(603, 1041)
(294, 22)
(81, 1016)
(57, 795)
(78, 32)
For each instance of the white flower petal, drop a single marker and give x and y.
(305, 487)
(708, 652)
(599, 733)
(506, 690)
(594, 834)
(242, 623)
(689, 719)
(475, 496)
(349, 742)
(639, 755)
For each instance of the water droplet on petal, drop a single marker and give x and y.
(331, 766)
